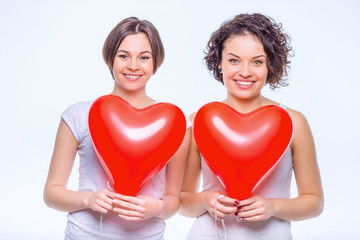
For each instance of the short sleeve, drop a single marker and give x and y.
(75, 116)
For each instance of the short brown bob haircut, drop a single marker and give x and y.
(128, 26)
(263, 28)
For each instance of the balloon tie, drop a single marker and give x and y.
(108, 185)
(222, 221)
(101, 222)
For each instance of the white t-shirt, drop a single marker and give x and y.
(85, 224)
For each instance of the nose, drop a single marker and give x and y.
(245, 70)
(133, 64)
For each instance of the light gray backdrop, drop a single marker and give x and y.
(50, 57)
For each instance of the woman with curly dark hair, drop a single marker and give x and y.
(245, 54)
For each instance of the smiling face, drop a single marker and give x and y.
(133, 63)
(243, 66)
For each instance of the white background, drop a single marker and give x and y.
(50, 57)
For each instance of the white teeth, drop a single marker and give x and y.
(132, 76)
(244, 83)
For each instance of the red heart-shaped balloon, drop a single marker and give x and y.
(134, 144)
(242, 149)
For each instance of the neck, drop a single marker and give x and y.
(245, 105)
(137, 99)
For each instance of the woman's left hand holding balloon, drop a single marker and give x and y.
(255, 209)
(140, 207)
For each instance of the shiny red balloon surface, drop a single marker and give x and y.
(134, 144)
(242, 149)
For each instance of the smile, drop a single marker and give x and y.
(132, 77)
(244, 83)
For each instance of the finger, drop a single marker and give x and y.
(133, 200)
(100, 209)
(111, 195)
(255, 218)
(108, 193)
(246, 202)
(248, 207)
(257, 204)
(228, 201)
(105, 198)
(104, 203)
(218, 215)
(128, 213)
(226, 209)
(128, 205)
(250, 214)
(106, 206)
(127, 218)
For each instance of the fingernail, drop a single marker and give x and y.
(238, 208)
(237, 202)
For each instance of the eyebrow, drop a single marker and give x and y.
(124, 51)
(239, 57)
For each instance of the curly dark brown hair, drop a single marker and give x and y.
(267, 31)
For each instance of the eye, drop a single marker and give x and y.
(123, 56)
(144, 58)
(233, 60)
(258, 62)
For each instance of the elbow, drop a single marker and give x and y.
(182, 208)
(47, 197)
(320, 207)
(170, 206)
(182, 211)
(188, 208)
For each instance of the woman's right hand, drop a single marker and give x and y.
(223, 204)
(101, 201)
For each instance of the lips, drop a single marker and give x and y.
(132, 77)
(244, 83)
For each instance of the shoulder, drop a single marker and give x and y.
(302, 131)
(75, 116)
(298, 118)
(79, 106)
(77, 110)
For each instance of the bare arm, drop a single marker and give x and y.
(174, 177)
(56, 195)
(195, 203)
(310, 200)
(191, 199)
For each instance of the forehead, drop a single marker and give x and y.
(246, 43)
(136, 42)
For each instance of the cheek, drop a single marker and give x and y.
(262, 74)
(149, 68)
(228, 71)
(118, 65)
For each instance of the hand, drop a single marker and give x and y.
(101, 201)
(137, 208)
(224, 205)
(255, 209)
